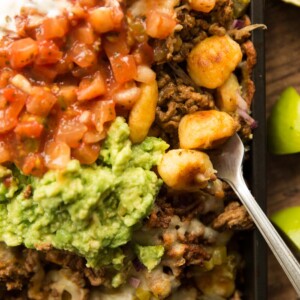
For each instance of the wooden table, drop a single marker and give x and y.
(282, 70)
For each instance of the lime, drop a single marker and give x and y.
(295, 2)
(284, 123)
(288, 220)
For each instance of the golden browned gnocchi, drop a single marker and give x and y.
(183, 169)
(202, 5)
(227, 94)
(142, 114)
(218, 282)
(205, 129)
(212, 60)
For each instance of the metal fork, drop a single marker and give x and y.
(227, 160)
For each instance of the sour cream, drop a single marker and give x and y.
(11, 8)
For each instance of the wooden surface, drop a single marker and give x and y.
(282, 70)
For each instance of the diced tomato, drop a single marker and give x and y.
(84, 34)
(117, 12)
(124, 67)
(66, 96)
(103, 111)
(4, 55)
(9, 93)
(49, 53)
(90, 89)
(9, 114)
(33, 164)
(44, 73)
(144, 54)
(29, 129)
(61, 79)
(70, 132)
(116, 44)
(82, 55)
(52, 28)
(23, 52)
(3, 102)
(159, 25)
(105, 19)
(40, 101)
(5, 75)
(101, 19)
(6, 124)
(57, 155)
(86, 153)
(93, 136)
(87, 3)
(4, 152)
(65, 65)
(16, 106)
(28, 118)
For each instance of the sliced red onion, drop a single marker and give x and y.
(134, 282)
(248, 119)
(237, 24)
(243, 111)
(241, 102)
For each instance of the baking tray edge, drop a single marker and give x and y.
(257, 259)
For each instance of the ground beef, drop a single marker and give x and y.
(187, 205)
(64, 258)
(223, 13)
(177, 99)
(178, 94)
(195, 254)
(27, 191)
(234, 217)
(22, 270)
(248, 87)
(195, 28)
(16, 266)
(75, 263)
(161, 214)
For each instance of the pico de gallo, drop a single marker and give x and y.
(64, 78)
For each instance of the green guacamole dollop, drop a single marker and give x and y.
(89, 210)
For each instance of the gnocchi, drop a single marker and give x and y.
(218, 282)
(205, 129)
(142, 113)
(227, 95)
(183, 169)
(212, 60)
(202, 5)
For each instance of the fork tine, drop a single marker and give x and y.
(228, 158)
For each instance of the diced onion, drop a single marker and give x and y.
(134, 282)
(126, 98)
(145, 74)
(20, 82)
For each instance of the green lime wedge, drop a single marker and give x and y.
(295, 2)
(288, 220)
(284, 123)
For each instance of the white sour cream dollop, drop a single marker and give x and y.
(11, 8)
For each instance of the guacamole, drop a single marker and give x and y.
(89, 210)
(150, 256)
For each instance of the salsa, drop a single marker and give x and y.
(64, 78)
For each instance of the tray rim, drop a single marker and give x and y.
(258, 288)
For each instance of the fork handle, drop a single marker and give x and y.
(286, 259)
